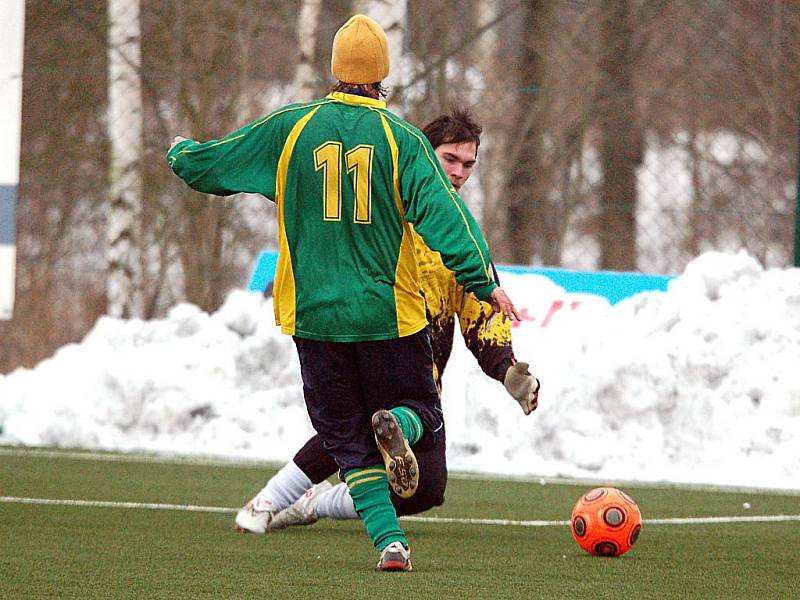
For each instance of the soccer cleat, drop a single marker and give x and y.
(256, 516)
(401, 464)
(395, 557)
(303, 511)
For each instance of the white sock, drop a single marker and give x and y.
(336, 503)
(286, 486)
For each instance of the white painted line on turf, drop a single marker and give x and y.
(713, 520)
(109, 504)
(248, 463)
(413, 519)
(167, 459)
(505, 522)
(681, 521)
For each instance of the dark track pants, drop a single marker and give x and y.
(344, 383)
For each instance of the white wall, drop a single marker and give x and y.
(12, 19)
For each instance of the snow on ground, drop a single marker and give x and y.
(697, 384)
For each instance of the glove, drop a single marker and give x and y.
(522, 386)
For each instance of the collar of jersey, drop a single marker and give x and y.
(354, 99)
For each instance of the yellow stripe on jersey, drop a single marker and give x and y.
(450, 190)
(356, 99)
(408, 301)
(315, 103)
(188, 149)
(284, 295)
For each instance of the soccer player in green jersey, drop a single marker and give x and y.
(349, 179)
(299, 493)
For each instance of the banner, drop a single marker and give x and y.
(557, 290)
(12, 27)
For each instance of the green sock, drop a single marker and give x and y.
(369, 489)
(409, 422)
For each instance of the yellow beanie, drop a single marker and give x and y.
(360, 52)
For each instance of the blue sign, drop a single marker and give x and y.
(612, 285)
(8, 200)
(264, 271)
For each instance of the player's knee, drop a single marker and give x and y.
(433, 495)
(436, 494)
(437, 500)
(427, 497)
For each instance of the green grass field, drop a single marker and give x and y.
(86, 551)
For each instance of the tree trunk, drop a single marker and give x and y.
(495, 132)
(125, 137)
(304, 76)
(621, 143)
(525, 195)
(202, 259)
(392, 17)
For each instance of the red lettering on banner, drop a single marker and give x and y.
(524, 316)
(556, 306)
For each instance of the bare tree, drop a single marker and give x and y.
(711, 87)
(494, 107)
(762, 58)
(63, 183)
(621, 143)
(391, 15)
(224, 63)
(305, 77)
(525, 191)
(125, 136)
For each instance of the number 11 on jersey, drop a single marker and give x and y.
(327, 157)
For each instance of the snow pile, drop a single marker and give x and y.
(225, 384)
(698, 384)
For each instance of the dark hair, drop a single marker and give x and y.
(455, 128)
(371, 90)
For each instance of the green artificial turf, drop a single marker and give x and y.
(54, 551)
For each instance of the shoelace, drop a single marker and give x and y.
(397, 547)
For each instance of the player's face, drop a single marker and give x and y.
(458, 161)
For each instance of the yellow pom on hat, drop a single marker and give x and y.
(360, 52)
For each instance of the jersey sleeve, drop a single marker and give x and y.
(487, 335)
(243, 161)
(439, 215)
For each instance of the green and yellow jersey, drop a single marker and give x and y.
(486, 334)
(348, 177)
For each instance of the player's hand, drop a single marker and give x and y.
(502, 303)
(176, 140)
(522, 386)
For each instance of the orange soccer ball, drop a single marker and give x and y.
(606, 522)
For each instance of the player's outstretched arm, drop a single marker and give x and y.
(488, 337)
(487, 334)
(522, 386)
(242, 161)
